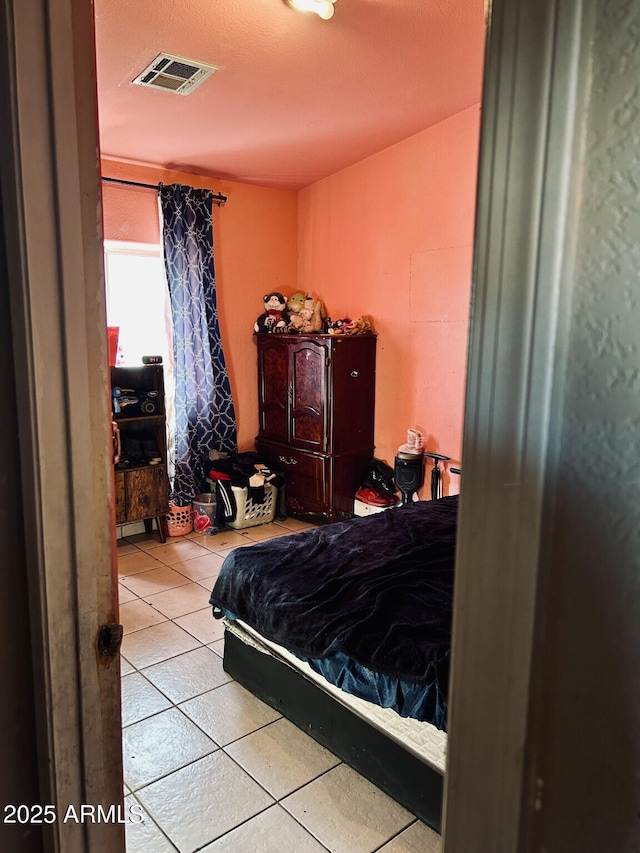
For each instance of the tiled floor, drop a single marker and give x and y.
(212, 767)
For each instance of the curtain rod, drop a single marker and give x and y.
(218, 198)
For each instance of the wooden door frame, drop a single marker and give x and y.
(535, 88)
(49, 174)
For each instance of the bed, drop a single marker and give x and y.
(345, 629)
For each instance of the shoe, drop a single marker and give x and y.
(415, 443)
(380, 477)
(375, 498)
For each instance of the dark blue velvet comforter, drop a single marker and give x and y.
(377, 589)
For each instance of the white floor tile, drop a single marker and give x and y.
(188, 675)
(263, 532)
(137, 561)
(246, 543)
(272, 831)
(229, 712)
(281, 757)
(208, 583)
(201, 802)
(200, 567)
(136, 615)
(223, 540)
(202, 625)
(125, 594)
(159, 745)
(417, 838)
(143, 835)
(179, 601)
(140, 699)
(160, 642)
(217, 647)
(145, 541)
(156, 580)
(177, 551)
(125, 667)
(347, 813)
(125, 547)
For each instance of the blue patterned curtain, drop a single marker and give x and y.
(205, 416)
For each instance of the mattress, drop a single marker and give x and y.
(372, 592)
(421, 739)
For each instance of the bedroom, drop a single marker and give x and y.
(362, 238)
(575, 755)
(387, 231)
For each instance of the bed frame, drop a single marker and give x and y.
(413, 783)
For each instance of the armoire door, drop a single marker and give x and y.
(308, 384)
(273, 378)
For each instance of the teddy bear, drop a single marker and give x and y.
(275, 317)
(313, 314)
(306, 315)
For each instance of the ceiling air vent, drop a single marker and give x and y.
(174, 74)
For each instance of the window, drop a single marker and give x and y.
(138, 301)
(138, 304)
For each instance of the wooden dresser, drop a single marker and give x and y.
(316, 410)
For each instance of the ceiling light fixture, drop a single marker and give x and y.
(322, 8)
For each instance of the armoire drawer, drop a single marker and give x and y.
(296, 461)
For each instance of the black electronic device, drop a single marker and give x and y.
(148, 401)
(131, 403)
(408, 473)
(152, 359)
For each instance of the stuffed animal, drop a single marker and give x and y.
(295, 302)
(306, 314)
(361, 326)
(334, 327)
(313, 315)
(275, 317)
(296, 322)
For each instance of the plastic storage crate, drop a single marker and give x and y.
(249, 513)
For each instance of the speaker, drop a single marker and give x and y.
(408, 473)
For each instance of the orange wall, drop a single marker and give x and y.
(392, 237)
(255, 252)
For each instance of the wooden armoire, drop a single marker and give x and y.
(316, 411)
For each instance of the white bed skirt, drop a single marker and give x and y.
(422, 739)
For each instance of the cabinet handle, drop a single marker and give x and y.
(287, 460)
(355, 374)
(117, 444)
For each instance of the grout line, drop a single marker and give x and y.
(399, 833)
(242, 823)
(150, 817)
(249, 819)
(171, 772)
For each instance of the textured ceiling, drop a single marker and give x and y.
(297, 98)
